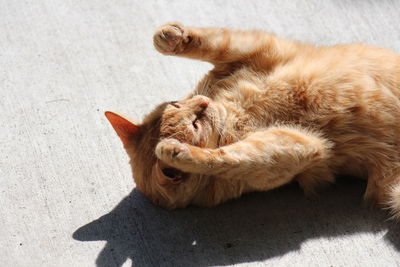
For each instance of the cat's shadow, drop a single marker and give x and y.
(253, 228)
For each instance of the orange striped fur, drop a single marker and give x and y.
(270, 112)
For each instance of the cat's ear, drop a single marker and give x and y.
(125, 128)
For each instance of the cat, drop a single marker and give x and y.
(270, 112)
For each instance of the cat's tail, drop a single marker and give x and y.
(394, 201)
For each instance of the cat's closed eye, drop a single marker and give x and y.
(194, 123)
(175, 104)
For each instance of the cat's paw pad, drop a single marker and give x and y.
(170, 37)
(171, 150)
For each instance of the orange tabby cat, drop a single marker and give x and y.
(272, 111)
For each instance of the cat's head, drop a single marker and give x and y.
(194, 121)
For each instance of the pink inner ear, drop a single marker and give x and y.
(125, 128)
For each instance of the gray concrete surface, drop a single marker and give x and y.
(67, 197)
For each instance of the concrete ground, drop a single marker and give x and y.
(67, 197)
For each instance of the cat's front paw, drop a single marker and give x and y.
(171, 151)
(170, 38)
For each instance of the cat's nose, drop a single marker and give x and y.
(202, 101)
(199, 103)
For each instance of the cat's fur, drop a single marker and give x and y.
(272, 111)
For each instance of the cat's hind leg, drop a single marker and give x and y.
(383, 189)
(394, 199)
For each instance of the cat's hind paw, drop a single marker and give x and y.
(170, 38)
